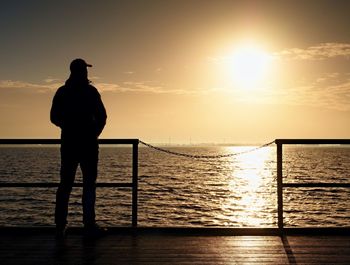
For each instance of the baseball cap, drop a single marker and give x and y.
(78, 64)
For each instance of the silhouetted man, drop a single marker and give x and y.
(78, 110)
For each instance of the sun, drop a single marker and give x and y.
(248, 66)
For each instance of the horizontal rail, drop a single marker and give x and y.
(58, 141)
(55, 184)
(312, 141)
(316, 185)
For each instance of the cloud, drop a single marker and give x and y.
(142, 87)
(336, 96)
(107, 87)
(48, 84)
(148, 87)
(327, 78)
(330, 92)
(128, 87)
(52, 80)
(51, 84)
(318, 52)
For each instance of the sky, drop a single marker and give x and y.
(182, 71)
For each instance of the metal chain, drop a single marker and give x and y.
(204, 156)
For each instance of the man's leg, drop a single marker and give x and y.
(88, 166)
(68, 169)
(89, 169)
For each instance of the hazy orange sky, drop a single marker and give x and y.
(166, 72)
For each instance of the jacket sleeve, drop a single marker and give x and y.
(56, 116)
(101, 116)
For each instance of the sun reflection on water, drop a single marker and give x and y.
(252, 182)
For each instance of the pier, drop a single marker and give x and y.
(179, 246)
(139, 245)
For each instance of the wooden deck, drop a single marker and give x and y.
(173, 248)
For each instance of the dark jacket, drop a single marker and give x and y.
(78, 110)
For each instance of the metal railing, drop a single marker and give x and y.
(281, 185)
(133, 184)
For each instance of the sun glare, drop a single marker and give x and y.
(252, 176)
(248, 66)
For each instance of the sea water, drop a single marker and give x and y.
(235, 191)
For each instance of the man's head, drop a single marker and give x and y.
(78, 68)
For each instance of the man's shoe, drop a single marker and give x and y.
(94, 231)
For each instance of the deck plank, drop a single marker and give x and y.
(155, 248)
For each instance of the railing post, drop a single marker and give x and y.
(135, 151)
(279, 185)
